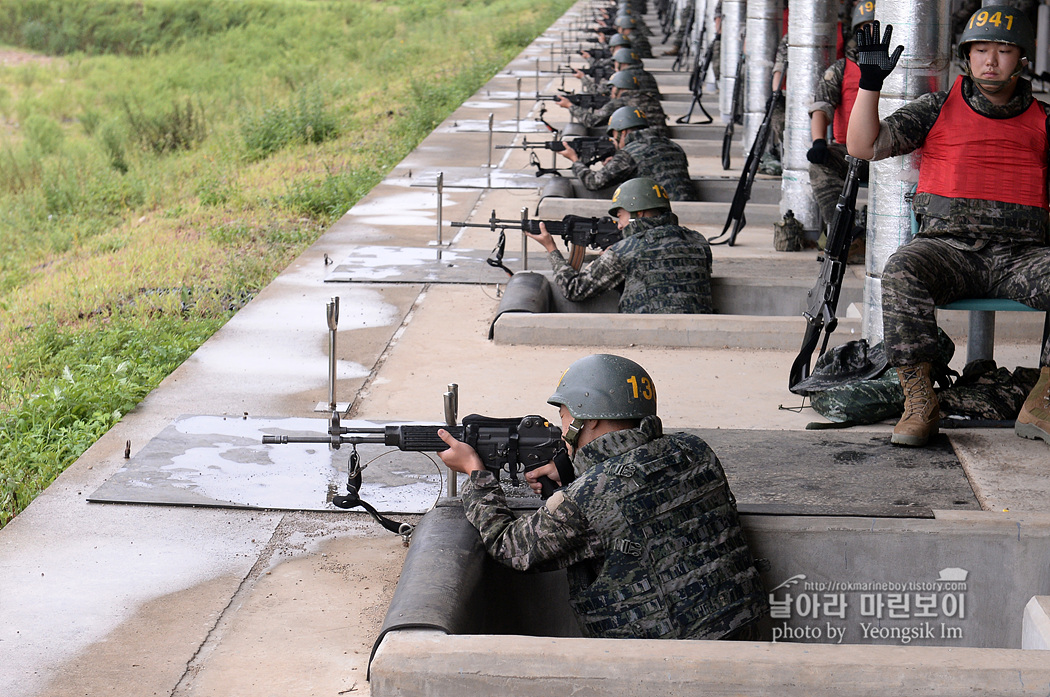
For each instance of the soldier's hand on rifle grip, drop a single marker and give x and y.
(544, 238)
(562, 102)
(568, 153)
(459, 457)
(549, 470)
(873, 56)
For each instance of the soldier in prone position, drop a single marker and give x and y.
(981, 202)
(625, 92)
(664, 267)
(609, 529)
(640, 152)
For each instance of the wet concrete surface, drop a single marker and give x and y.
(103, 598)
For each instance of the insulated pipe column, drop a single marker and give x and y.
(1042, 39)
(732, 50)
(924, 29)
(762, 40)
(710, 84)
(811, 35)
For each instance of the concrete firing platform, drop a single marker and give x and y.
(102, 599)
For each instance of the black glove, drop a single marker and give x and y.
(818, 154)
(873, 56)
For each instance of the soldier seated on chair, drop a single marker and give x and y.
(981, 200)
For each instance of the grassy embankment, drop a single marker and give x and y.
(162, 160)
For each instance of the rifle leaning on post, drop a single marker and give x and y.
(736, 216)
(578, 233)
(696, 82)
(823, 298)
(737, 114)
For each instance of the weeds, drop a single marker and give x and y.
(193, 148)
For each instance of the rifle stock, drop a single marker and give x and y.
(823, 298)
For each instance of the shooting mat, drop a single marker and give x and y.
(221, 461)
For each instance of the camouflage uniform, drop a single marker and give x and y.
(646, 102)
(665, 269)
(640, 43)
(965, 247)
(685, 21)
(637, 568)
(645, 154)
(827, 179)
(600, 83)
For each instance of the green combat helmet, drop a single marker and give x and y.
(604, 386)
(626, 56)
(626, 117)
(619, 41)
(624, 80)
(625, 22)
(1001, 24)
(863, 12)
(639, 194)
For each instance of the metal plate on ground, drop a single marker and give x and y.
(376, 264)
(221, 461)
(481, 178)
(839, 473)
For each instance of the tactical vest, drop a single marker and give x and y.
(850, 85)
(667, 268)
(662, 160)
(967, 155)
(677, 565)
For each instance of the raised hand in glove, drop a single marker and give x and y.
(818, 154)
(873, 56)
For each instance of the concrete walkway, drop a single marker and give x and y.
(101, 599)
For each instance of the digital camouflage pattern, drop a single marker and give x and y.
(645, 101)
(640, 44)
(649, 533)
(645, 154)
(965, 247)
(985, 391)
(851, 384)
(664, 269)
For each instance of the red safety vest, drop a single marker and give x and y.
(850, 82)
(967, 155)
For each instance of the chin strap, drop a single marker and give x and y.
(573, 432)
(994, 86)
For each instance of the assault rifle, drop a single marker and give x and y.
(578, 233)
(587, 101)
(590, 149)
(597, 72)
(736, 113)
(696, 81)
(823, 298)
(736, 216)
(510, 445)
(687, 46)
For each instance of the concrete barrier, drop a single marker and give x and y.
(911, 607)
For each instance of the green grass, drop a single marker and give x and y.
(162, 160)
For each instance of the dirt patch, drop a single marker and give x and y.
(14, 58)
